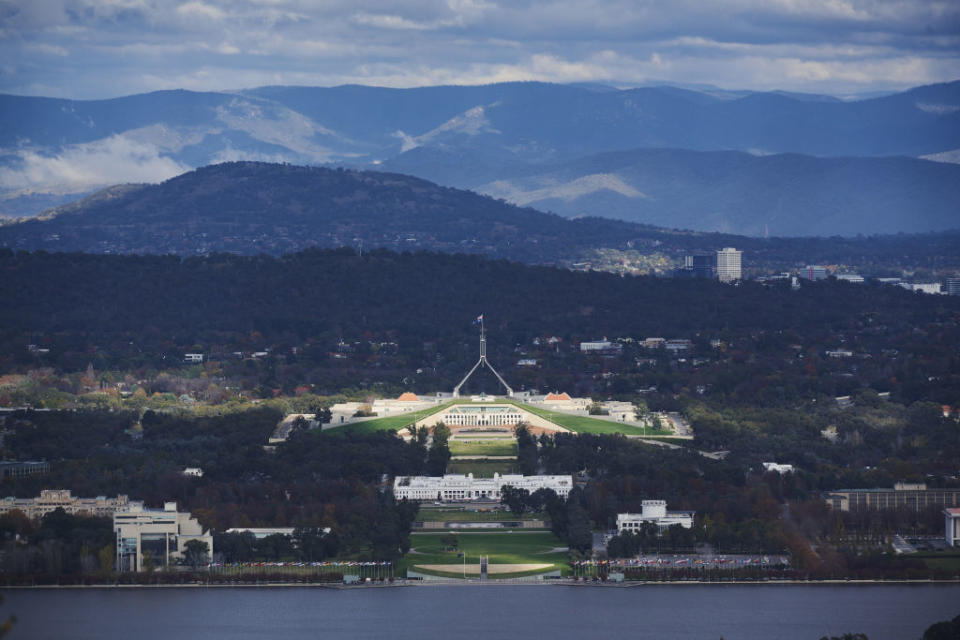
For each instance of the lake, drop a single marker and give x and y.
(883, 612)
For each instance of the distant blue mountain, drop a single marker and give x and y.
(471, 136)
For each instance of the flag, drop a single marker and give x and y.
(479, 319)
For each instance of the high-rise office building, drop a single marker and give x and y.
(814, 272)
(952, 288)
(728, 264)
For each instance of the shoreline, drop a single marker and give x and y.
(489, 583)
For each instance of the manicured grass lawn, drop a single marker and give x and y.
(508, 547)
(396, 423)
(488, 447)
(580, 424)
(482, 468)
(586, 424)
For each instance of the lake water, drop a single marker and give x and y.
(883, 612)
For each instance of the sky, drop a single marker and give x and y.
(87, 49)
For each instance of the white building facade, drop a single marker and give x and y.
(952, 517)
(729, 264)
(52, 499)
(654, 512)
(779, 468)
(163, 533)
(462, 488)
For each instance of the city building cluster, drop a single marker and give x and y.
(463, 488)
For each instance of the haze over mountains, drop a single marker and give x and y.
(253, 208)
(577, 150)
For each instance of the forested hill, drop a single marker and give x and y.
(252, 208)
(419, 296)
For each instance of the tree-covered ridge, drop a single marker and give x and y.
(419, 294)
(336, 320)
(252, 208)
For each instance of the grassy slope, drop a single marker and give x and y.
(493, 447)
(394, 423)
(580, 424)
(586, 424)
(482, 468)
(501, 548)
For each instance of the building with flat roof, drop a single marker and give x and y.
(52, 499)
(654, 512)
(814, 272)
(779, 468)
(855, 278)
(953, 526)
(912, 496)
(729, 264)
(163, 533)
(462, 488)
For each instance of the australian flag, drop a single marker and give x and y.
(479, 319)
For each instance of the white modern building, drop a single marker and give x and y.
(953, 526)
(482, 415)
(163, 533)
(854, 278)
(52, 499)
(462, 488)
(729, 264)
(779, 468)
(655, 512)
(932, 288)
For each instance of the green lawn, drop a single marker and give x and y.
(482, 468)
(395, 423)
(579, 424)
(508, 547)
(586, 424)
(950, 564)
(487, 447)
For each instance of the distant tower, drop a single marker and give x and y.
(482, 362)
(728, 264)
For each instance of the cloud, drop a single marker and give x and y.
(113, 160)
(126, 46)
(200, 10)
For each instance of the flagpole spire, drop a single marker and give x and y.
(482, 362)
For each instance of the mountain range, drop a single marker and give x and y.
(254, 207)
(641, 154)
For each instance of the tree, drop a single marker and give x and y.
(946, 630)
(196, 553)
(514, 499)
(105, 559)
(439, 455)
(640, 410)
